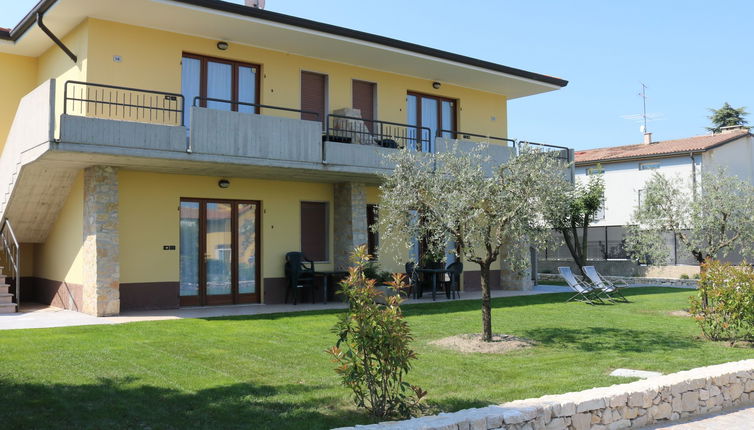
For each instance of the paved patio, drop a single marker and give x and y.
(40, 316)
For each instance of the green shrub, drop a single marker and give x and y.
(697, 276)
(684, 276)
(728, 313)
(372, 352)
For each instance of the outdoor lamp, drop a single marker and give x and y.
(223, 46)
(223, 183)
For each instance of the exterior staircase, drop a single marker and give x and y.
(6, 298)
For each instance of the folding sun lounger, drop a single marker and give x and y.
(609, 288)
(584, 293)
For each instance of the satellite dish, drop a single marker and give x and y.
(643, 129)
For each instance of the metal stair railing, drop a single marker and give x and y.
(10, 257)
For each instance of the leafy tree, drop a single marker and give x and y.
(726, 116)
(584, 201)
(461, 197)
(724, 309)
(373, 352)
(709, 222)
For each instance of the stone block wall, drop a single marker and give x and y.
(101, 289)
(350, 221)
(633, 405)
(630, 280)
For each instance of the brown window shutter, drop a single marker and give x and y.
(363, 99)
(372, 237)
(313, 95)
(314, 230)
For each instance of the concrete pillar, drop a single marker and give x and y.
(101, 242)
(511, 279)
(350, 221)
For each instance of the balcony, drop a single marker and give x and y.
(132, 127)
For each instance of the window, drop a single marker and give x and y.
(228, 82)
(595, 170)
(435, 113)
(314, 230)
(373, 238)
(600, 214)
(363, 94)
(649, 166)
(313, 96)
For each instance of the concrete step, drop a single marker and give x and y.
(6, 298)
(4, 288)
(7, 308)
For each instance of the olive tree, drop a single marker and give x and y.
(710, 221)
(584, 201)
(461, 197)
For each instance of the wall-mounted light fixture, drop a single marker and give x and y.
(436, 85)
(223, 183)
(223, 46)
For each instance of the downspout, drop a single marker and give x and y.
(693, 174)
(54, 38)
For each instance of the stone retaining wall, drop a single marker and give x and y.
(633, 405)
(660, 282)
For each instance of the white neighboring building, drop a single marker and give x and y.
(627, 168)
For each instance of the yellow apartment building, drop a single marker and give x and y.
(167, 153)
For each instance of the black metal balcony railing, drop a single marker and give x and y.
(347, 129)
(236, 105)
(561, 152)
(159, 107)
(452, 134)
(122, 103)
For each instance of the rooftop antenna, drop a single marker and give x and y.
(643, 95)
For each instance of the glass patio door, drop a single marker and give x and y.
(438, 114)
(219, 241)
(228, 82)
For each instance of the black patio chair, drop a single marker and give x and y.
(454, 273)
(299, 272)
(413, 280)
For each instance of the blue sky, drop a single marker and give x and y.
(692, 55)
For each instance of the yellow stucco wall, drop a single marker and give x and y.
(151, 59)
(60, 258)
(55, 64)
(149, 218)
(19, 77)
(27, 259)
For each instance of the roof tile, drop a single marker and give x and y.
(665, 147)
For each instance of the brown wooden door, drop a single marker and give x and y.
(313, 95)
(363, 99)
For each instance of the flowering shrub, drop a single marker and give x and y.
(373, 350)
(729, 310)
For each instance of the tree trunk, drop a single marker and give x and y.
(486, 312)
(702, 271)
(574, 247)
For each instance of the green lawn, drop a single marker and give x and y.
(271, 371)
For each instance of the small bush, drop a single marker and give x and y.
(684, 276)
(372, 351)
(697, 276)
(728, 313)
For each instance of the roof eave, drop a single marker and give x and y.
(639, 157)
(661, 155)
(29, 20)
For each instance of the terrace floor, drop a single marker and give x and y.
(36, 315)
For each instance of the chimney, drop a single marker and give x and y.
(647, 138)
(258, 4)
(732, 129)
